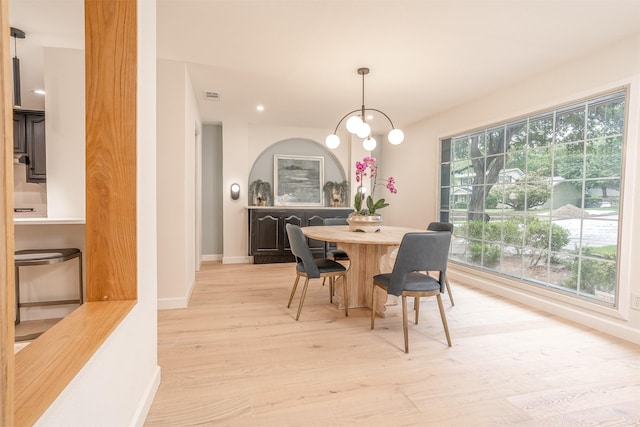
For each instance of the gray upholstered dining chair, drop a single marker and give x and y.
(310, 268)
(418, 254)
(443, 226)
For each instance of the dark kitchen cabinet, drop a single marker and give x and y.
(36, 149)
(30, 138)
(19, 134)
(268, 242)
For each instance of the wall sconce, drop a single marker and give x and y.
(235, 191)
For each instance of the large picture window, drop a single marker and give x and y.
(538, 198)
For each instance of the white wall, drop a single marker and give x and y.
(28, 194)
(176, 157)
(193, 177)
(65, 127)
(415, 164)
(235, 168)
(261, 137)
(117, 385)
(212, 192)
(263, 166)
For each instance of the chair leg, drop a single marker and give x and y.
(304, 293)
(293, 291)
(405, 324)
(345, 292)
(373, 305)
(17, 301)
(80, 278)
(444, 319)
(331, 287)
(446, 282)
(416, 306)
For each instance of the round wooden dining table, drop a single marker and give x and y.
(368, 256)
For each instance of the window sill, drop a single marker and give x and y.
(46, 366)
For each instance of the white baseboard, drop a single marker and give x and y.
(145, 403)
(172, 303)
(237, 260)
(190, 291)
(212, 257)
(177, 302)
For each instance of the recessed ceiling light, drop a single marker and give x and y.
(260, 108)
(369, 117)
(39, 91)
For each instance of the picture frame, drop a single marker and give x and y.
(297, 180)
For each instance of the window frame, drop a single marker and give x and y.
(618, 309)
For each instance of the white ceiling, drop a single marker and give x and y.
(299, 58)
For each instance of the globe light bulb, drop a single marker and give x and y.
(364, 130)
(353, 124)
(395, 136)
(369, 144)
(332, 141)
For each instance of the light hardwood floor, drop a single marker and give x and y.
(237, 357)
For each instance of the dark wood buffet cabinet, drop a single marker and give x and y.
(268, 242)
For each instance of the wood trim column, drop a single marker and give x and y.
(111, 67)
(7, 304)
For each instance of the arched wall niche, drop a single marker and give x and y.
(262, 168)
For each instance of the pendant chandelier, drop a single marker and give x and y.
(357, 125)
(16, 34)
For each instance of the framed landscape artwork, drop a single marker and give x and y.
(298, 179)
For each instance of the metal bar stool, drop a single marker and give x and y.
(29, 257)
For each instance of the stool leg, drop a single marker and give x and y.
(17, 280)
(80, 278)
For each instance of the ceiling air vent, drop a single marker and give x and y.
(211, 95)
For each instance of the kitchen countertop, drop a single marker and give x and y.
(48, 221)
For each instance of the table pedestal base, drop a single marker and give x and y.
(361, 272)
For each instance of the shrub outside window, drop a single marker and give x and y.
(538, 198)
